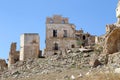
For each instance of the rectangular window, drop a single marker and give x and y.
(65, 33)
(56, 46)
(54, 33)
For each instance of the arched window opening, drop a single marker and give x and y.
(54, 33)
(84, 37)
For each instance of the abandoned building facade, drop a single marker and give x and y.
(62, 35)
(29, 48)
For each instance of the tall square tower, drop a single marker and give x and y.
(29, 46)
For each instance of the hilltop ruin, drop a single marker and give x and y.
(29, 48)
(61, 38)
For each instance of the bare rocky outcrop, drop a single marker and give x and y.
(114, 60)
(112, 41)
(59, 63)
(94, 62)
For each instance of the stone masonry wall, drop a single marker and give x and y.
(13, 55)
(64, 36)
(60, 30)
(63, 45)
(29, 43)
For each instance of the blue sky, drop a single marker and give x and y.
(29, 16)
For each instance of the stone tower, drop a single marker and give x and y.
(29, 46)
(118, 12)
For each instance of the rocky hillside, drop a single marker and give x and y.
(74, 64)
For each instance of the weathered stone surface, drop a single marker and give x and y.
(55, 63)
(62, 35)
(112, 41)
(3, 65)
(117, 70)
(103, 58)
(114, 60)
(13, 55)
(94, 62)
(29, 48)
(29, 43)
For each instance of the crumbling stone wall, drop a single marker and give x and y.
(86, 38)
(3, 65)
(57, 19)
(91, 40)
(13, 55)
(63, 46)
(109, 28)
(29, 46)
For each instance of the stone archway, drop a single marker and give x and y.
(112, 41)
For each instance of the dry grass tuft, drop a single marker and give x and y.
(101, 76)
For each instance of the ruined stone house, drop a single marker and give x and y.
(29, 48)
(62, 35)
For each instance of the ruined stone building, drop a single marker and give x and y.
(29, 48)
(62, 35)
(86, 38)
